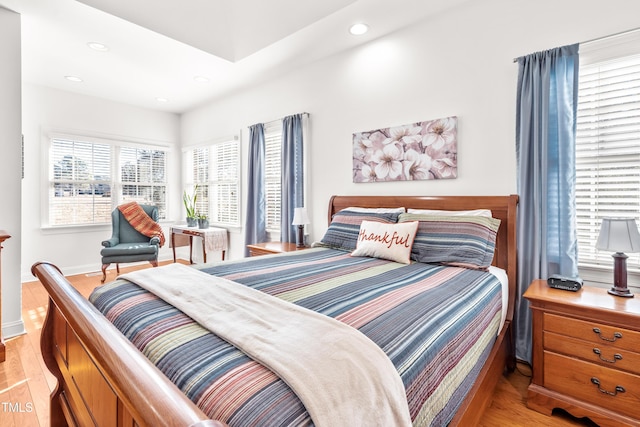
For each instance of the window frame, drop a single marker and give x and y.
(599, 271)
(273, 177)
(273, 133)
(212, 178)
(115, 182)
(153, 184)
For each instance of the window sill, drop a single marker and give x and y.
(602, 277)
(89, 228)
(68, 229)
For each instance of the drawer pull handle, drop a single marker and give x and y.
(619, 388)
(616, 356)
(616, 335)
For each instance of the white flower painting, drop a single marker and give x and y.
(419, 151)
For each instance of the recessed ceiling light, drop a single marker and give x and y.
(358, 29)
(201, 79)
(98, 46)
(75, 79)
(159, 99)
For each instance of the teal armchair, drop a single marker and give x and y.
(127, 244)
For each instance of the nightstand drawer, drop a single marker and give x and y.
(268, 248)
(578, 379)
(602, 354)
(258, 252)
(593, 332)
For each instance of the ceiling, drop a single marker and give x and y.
(159, 49)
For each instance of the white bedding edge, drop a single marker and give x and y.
(504, 280)
(340, 375)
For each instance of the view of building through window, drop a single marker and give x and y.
(86, 182)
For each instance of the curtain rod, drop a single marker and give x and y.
(275, 120)
(597, 39)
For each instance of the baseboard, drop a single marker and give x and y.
(90, 268)
(13, 329)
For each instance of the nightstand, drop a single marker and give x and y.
(586, 354)
(273, 248)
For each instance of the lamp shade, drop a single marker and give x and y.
(619, 235)
(300, 217)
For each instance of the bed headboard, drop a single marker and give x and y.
(502, 207)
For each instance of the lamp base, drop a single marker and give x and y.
(300, 239)
(619, 287)
(621, 292)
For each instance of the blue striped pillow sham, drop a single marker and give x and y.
(465, 241)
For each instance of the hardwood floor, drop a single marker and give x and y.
(25, 383)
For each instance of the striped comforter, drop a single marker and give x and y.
(437, 325)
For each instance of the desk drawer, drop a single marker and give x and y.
(617, 391)
(593, 332)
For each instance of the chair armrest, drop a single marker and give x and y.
(111, 242)
(155, 241)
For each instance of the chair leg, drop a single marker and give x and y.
(118, 268)
(104, 272)
(154, 262)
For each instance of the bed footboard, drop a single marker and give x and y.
(102, 378)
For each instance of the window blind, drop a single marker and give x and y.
(225, 185)
(142, 174)
(273, 172)
(80, 184)
(199, 174)
(607, 152)
(88, 178)
(216, 171)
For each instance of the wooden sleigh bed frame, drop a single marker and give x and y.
(104, 380)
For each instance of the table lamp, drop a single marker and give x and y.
(300, 218)
(619, 235)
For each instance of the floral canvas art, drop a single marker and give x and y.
(418, 151)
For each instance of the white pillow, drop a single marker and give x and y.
(386, 241)
(474, 212)
(375, 210)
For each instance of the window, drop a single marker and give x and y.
(89, 178)
(607, 152)
(142, 174)
(273, 174)
(215, 169)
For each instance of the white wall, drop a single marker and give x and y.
(10, 170)
(45, 110)
(458, 63)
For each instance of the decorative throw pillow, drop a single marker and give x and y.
(465, 241)
(345, 226)
(387, 241)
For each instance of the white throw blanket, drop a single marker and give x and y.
(340, 375)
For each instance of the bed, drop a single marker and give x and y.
(104, 379)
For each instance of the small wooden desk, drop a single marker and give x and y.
(213, 239)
